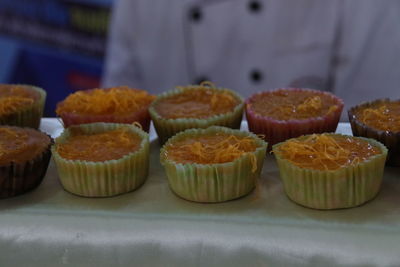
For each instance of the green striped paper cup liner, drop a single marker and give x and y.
(108, 178)
(29, 116)
(213, 182)
(167, 128)
(345, 187)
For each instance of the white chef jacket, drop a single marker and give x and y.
(348, 47)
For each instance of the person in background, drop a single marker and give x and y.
(348, 47)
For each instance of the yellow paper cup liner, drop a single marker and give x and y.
(213, 182)
(29, 116)
(167, 128)
(108, 178)
(390, 139)
(345, 187)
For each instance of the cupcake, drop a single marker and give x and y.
(214, 164)
(380, 120)
(195, 106)
(118, 104)
(330, 171)
(286, 113)
(24, 158)
(21, 105)
(102, 159)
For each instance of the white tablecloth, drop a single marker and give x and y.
(153, 227)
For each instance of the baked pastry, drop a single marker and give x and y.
(330, 171)
(195, 106)
(118, 104)
(24, 158)
(379, 119)
(214, 164)
(286, 113)
(102, 159)
(21, 105)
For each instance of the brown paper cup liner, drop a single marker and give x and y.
(276, 131)
(19, 178)
(390, 139)
(210, 183)
(346, 187)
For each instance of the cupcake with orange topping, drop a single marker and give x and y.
(379, 119)
(214, 164)
(102, 159)
(331, 171)
(118, 104)
(286, 113)
(24, 158)
(195, 106)
(21, 105)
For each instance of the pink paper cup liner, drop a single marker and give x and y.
(276, 131)
(142, 117)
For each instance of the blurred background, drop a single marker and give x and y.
(347, 47)
(57, 44)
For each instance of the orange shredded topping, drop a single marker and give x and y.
(311, 104)
(118, 100)
(11, 142)
(286, 105)
(211, 149)
(196, 103)
(138, 125)
(325, 152)
(14, 98)
(99, 147)
(21, 144)
(11, 104)
(384, 117)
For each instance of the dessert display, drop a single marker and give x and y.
(24, 158)
(102, 159)
(286, 113)
(330, 171)
(21, 105)
(379, 119)
(196, 106)
(118, 104)
(214, 164)
(104, 152)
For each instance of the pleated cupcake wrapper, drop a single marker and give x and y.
(167, 128)
(276, 131)
(108, 178)
(19, 178)
(142, 116)
(214, 182)
(346, 187)
(28, 117)
(390, 139)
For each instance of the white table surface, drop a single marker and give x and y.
(54, 127)
(153, 227)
